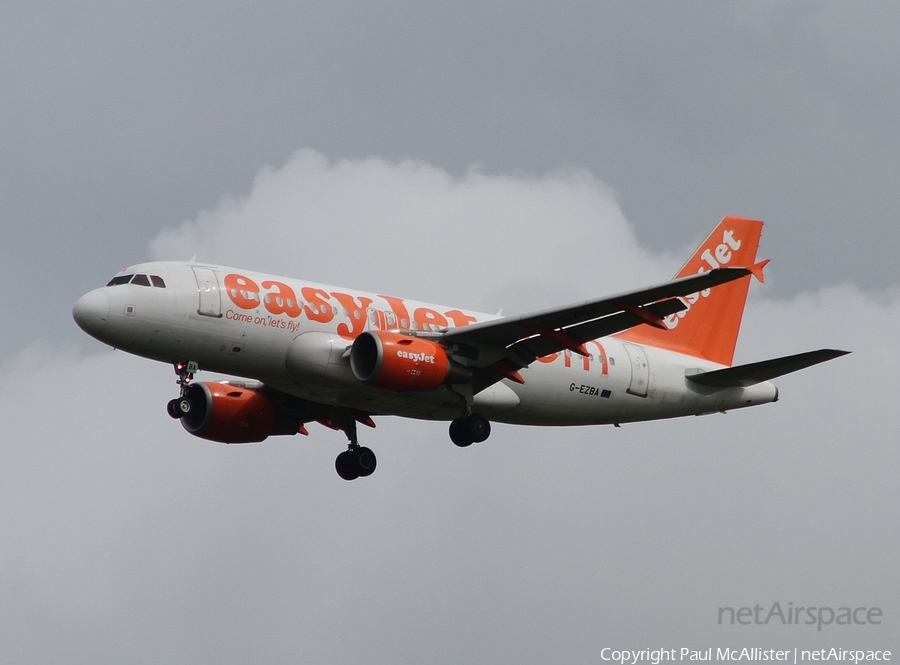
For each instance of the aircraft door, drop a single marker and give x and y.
(640, 372)
(208, 286)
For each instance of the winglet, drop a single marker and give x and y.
(757, 270)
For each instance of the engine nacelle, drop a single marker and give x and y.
(402, 363)
(229, 414)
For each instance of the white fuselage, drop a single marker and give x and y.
(248, 324)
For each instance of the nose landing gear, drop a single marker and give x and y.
(182, 406)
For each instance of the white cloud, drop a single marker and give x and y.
(415, 230)
(127, 540)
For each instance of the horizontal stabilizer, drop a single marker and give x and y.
(748, 375)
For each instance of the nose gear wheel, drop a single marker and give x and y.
(182, 406)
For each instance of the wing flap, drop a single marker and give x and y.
(753, 373)
(540, 345)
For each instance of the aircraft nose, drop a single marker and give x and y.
(91, 311)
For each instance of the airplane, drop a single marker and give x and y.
(308, 352)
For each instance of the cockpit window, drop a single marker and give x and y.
(120, 279)
(140, 280)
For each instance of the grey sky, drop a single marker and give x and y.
(123, 539)
(119, 119)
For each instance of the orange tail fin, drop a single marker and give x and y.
(709, 327)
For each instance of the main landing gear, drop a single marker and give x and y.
(182, 406)
(473, 428)
(354, 463)
(357, 461)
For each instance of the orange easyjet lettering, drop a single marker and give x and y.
(460, 319)
(356, 314)
(280, 298)
(317, 308)
(283, 301)
(425, 316)
(243, 291)
(399, 309)
(585, 360)
(604, 363)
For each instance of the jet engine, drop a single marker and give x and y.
(403, 363)
(230, 413)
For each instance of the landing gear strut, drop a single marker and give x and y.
(357, 461)
(182, 406)
(473, 428)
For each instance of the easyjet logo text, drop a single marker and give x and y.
(711, 258)
(416, 357)
(280, 299)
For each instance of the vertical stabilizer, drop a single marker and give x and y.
(709, 327)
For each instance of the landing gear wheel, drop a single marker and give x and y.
(458, 434)
(355, 463)
(172, 409)
(474, 428)
(183, 406)
(365, 461)
(345, 465)
(180, 407)
(477, 427)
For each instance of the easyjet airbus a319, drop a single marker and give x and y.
(315, 353)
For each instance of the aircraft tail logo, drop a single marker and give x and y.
(709, 327)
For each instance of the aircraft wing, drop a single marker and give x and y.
(527, 337)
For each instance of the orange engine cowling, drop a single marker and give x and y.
(228, 414)
(402, 363)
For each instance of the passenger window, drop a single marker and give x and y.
(157, 282)
(141, 280)
(120, 279)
